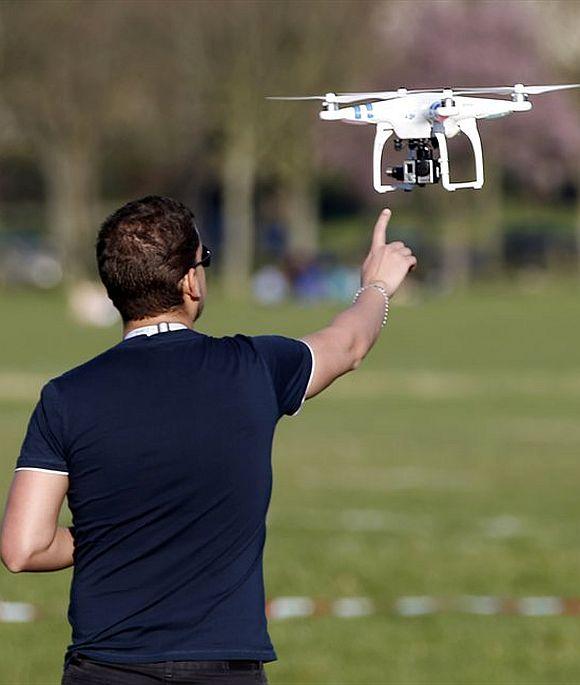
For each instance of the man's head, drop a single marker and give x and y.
(145, 254)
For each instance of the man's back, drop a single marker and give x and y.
(167, 442)
(162, 446)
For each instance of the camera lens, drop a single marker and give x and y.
(422, 167)
(396, 172)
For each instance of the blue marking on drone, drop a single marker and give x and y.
(357, 114)
(370, 114)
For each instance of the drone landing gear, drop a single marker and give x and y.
(469, 128)
(421, 167)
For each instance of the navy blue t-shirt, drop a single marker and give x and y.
(167, 444)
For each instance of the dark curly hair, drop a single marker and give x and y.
(143, 250)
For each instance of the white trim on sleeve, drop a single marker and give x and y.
(310, 379)
(33, 468)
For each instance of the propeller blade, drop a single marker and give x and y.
(377, 95)
(538, 90)
(507, 90)
(497, 90)
(387, 94)
(299, 97)
(344, 98)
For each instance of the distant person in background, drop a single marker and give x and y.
(162, 445)
(270, 285)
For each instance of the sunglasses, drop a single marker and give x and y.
(205, 257)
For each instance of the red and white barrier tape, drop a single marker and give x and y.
(298, 607)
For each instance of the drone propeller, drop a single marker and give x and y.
(298, 97)
(519, 88)
(499, 90)
(345, 98)
(376, 95)
(387, 94)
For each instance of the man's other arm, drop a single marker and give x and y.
(344, 343)
(31, 539)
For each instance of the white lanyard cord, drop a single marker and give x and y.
(162, 327)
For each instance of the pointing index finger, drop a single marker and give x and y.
(380, 229)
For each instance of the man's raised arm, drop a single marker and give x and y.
(343, 344)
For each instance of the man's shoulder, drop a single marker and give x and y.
(94, 365)
(114, 360)
(259, 345)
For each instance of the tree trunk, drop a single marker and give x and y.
(455, 236)
(302, 215)
(239, 171)
(455, 267)
(72, 187)
(489, 220)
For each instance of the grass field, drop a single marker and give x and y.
(448, 464)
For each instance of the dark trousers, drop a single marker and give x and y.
(81, 670)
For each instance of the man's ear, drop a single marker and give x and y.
(190, 285)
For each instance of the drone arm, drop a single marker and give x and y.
(469, 127)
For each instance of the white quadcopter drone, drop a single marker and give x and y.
(423, 120)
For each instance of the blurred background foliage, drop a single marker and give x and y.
(102, 102)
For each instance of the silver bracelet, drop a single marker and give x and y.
(382, 291)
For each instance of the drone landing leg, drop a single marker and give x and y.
(381, 136)
(469, 127)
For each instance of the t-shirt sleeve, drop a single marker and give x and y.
(43, 448)
(290, 363)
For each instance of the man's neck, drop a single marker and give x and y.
(169, 317)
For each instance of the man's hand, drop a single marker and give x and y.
(387, 263)
(341, 346)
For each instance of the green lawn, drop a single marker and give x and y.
(448, 464)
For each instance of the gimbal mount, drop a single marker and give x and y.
(421, 166)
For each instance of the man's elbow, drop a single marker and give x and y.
(357, 352)
(13, 557)
(14, 563)
(356, 362)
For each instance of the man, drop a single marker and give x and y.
(162, 445)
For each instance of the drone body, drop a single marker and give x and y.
(423, 120)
